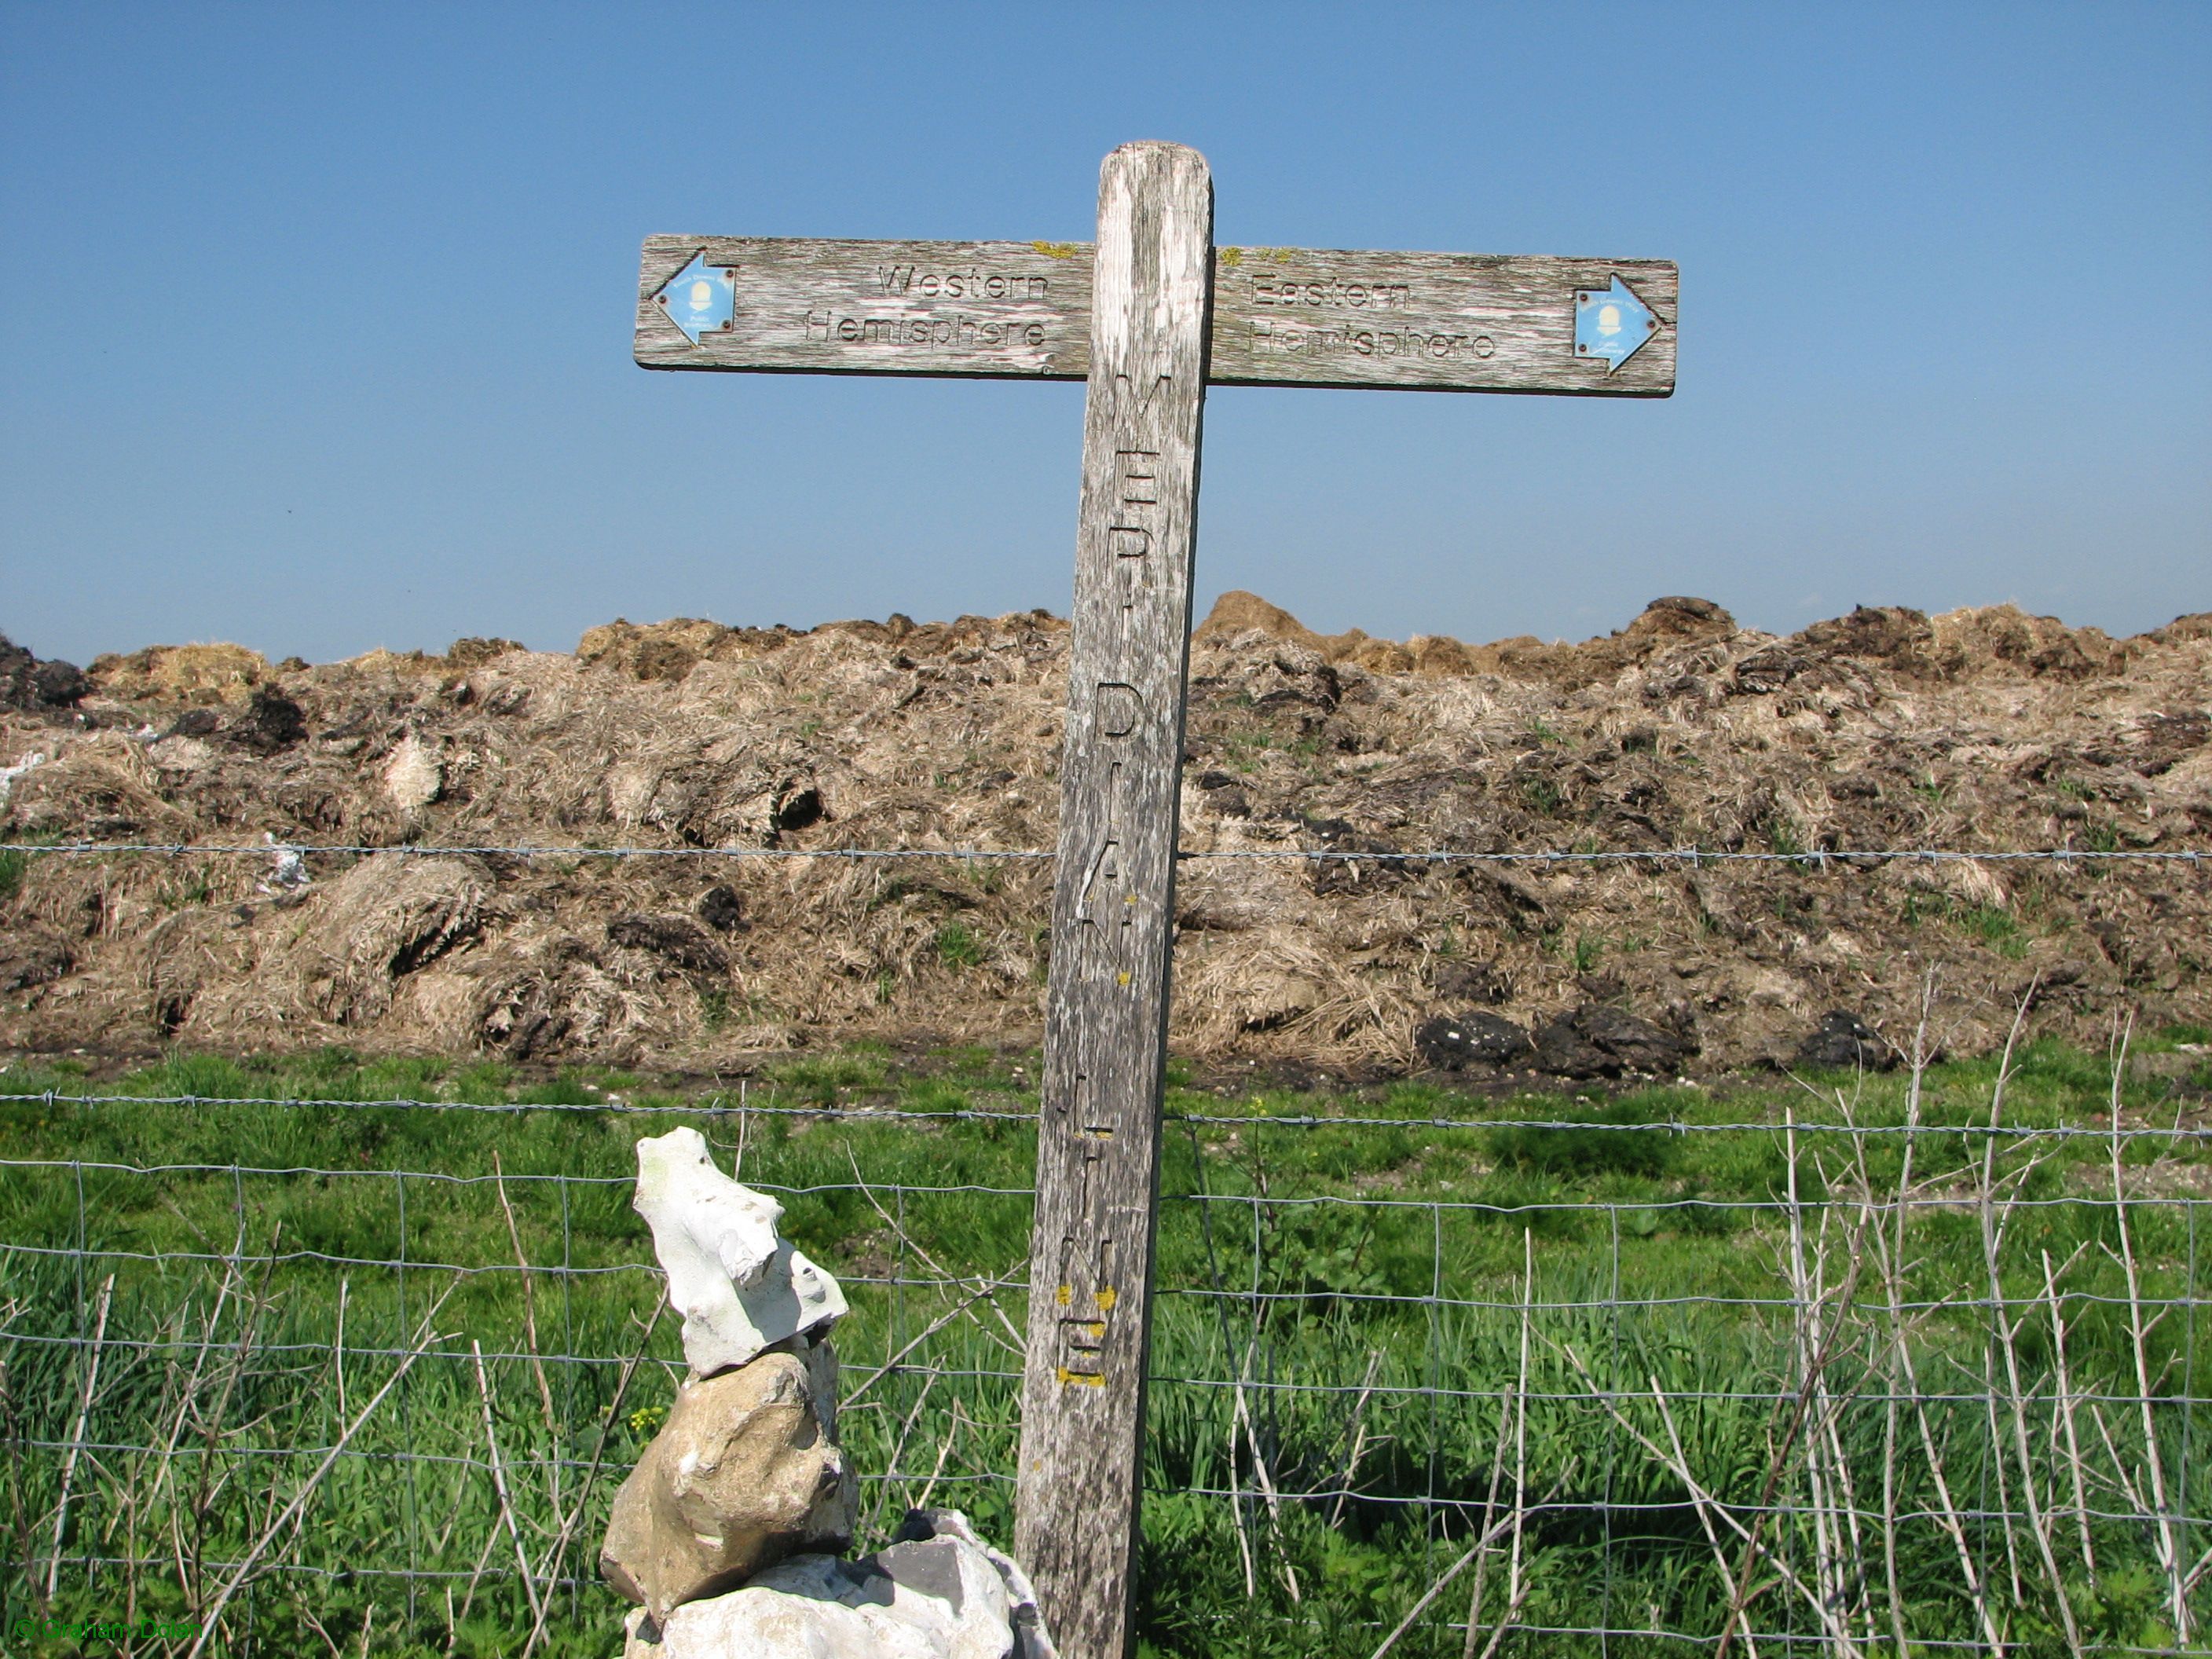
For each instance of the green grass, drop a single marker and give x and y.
(957, 946)
(1998, 928)
(2099, 838)
(1656, 1236)
(1542, 796)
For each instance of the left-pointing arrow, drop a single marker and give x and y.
(1611, 323)
(699, 298)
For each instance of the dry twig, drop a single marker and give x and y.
(2160, 1512)
(559, 1553)
(499, 1485)
(77, 1436)
(213, 1616)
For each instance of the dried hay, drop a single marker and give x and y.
(414, 775)
(1979, 640)
(1882, 729)
(1259, 981)
(108, 788)
(195, 675)
(388, 917)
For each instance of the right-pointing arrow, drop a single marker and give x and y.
(1611, 323)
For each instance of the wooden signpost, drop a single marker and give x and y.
(1149, 315)
(1281, 316)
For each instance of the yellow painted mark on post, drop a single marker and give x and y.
(1087, 1378)
(1122, 978)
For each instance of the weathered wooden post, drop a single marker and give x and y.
(1112, 909)
(1148, 317)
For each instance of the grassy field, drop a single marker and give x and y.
(1670, 1354)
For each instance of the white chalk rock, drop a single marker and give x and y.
(736, 1280)
(941, 1594)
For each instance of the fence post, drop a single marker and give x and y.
(1083, 1400)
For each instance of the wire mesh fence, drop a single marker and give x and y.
(1910, 1361)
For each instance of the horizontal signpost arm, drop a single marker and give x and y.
(1020, 310)
(1433, 322)
(1319, 317)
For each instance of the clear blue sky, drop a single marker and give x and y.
(315, 319)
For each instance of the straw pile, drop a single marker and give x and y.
(1983, 729)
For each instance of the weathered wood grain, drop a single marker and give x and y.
(1434, 322)
(1019, 310)
(1146, 317)
(1083, 1402)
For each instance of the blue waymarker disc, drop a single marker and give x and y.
(699, 299)
(1611, 323)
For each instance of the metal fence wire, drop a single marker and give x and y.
(1694, 857)
(1890, 1364)
(1941, 1376)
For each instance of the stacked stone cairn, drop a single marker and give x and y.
(729, 1532)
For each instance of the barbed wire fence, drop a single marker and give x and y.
(1692, 856)
(1887, 1367)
